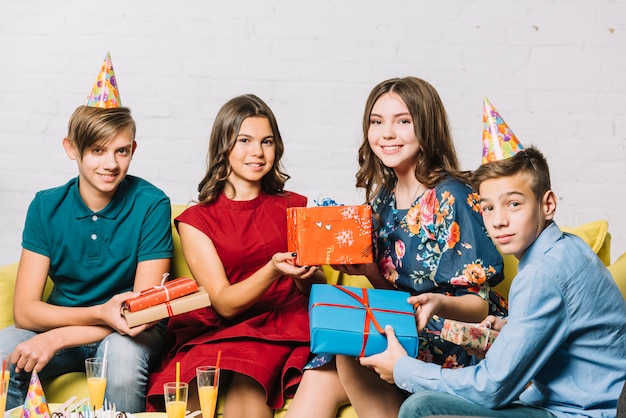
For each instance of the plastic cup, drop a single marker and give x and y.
(208, 382)
(96, 370)
(175, 399)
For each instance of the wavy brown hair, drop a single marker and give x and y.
(223, 138)
(436, 157)
(89, 127)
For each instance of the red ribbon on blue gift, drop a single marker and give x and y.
(369, 313)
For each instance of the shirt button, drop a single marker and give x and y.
(404, 385)
(94, 218)
(94, 237)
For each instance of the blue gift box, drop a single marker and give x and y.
(351, 321)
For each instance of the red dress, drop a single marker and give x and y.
(270, 341)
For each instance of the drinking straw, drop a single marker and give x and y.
(177, 378)
(4, 367)
(104, 361)
(217, 367)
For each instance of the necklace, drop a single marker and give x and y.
(418, 192)
(420, 189)
(394, 206)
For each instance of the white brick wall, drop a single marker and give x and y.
(554, 69)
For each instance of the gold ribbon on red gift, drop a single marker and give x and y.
(369, 312)
(163, 293)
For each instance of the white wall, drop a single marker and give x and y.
(555, 70)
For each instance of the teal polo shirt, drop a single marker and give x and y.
(94, 255)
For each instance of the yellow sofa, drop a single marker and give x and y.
(61, 388)
(58, 390)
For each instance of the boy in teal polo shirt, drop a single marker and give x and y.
(101, 238)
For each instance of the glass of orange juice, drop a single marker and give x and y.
(208, 381)
(4, 381)
(175, 399)
(96, 370)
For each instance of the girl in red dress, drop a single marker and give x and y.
(235, 241)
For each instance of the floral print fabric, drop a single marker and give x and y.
(468, 335)
(438, 245)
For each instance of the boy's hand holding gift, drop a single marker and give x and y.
(471, 336)
(169, 299)
(493, 322)
(167, 291)
(383, 363)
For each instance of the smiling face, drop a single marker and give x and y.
(252, 156)
(102, 167)
(512, 215)
(391, 133)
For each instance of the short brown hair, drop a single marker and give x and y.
(529, 160)
(91, 126)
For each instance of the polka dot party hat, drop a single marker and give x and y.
(104, 92)
(499, 142)
(35, 405)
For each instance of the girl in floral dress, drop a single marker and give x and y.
(429, 240)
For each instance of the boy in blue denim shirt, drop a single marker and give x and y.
(101, 237)
(566, 328)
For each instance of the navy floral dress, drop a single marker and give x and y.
(438, 245)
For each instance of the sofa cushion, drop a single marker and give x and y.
(179, 267)
(336, 277)
(59, 389)
(618, 271)
(597, 235)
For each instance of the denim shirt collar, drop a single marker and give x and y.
(551, 234)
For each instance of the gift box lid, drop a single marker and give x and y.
(167, 291)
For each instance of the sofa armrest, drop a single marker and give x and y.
(8, 275)
(179, 266)
(7, 288)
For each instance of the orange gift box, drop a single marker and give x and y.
(330, 235)
(171, 290)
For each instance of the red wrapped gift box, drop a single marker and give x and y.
(196, 300)
(156, 295)
(330, 235)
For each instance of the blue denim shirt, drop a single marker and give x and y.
(566, 334)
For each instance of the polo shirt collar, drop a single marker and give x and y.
(111, 211)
